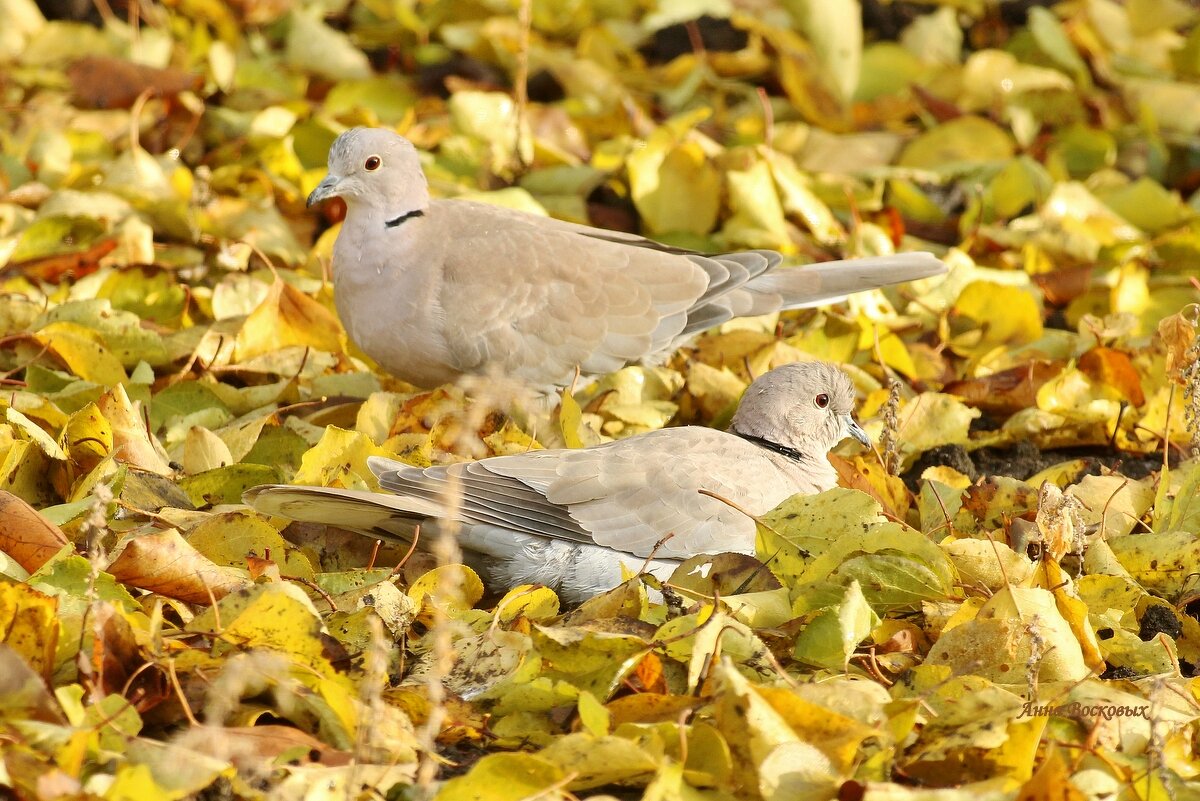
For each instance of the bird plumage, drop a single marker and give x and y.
(574, 518)
(434, 289)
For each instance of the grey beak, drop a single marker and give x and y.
(326, 189)
(855, 430)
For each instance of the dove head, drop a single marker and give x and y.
(376, 169)
(806, 407)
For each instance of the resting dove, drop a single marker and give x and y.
(435, 289)
(571, 519)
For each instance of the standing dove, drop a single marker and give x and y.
(571, 519)
(435, 289)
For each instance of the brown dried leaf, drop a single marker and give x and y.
(54, 269)
(1177, 334)
(1007, 391)
(25, 535)
(248, 746)
(725, 574)
(1113, 368)
(99, 82)
(869, 477)
(1062, 286)
(164, 562)
(649, 673)
(114, 650)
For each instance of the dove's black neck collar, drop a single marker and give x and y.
(782, 450)
(403, 218)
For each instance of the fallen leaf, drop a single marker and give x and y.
(26, 535)
(287, 317)
(163, 562)
(101, 82)
(1113, 368)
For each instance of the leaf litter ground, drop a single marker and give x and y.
(1016, 618)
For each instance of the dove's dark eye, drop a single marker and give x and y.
(372, 163)
(821, 400)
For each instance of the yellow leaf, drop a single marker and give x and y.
(1161, 563)
(457, 584)
(570, 421)
(831, 637)
(29, 625)
(797, 771)
(757, 220)
(503, 777)
(1017, 628)
(932, 419)
(675, 188)
(83, 351)
(226, 484)
(834, 28)
(131, 444)
(600, 761)
(986, 563)
(35, 433)
(749, 724)
(340, 460)
(836, 735)
(890, 348)
(25, 473)
(204, 450)
(228, 539)
(534, 602)
(87, 437)
(799, 200)
(965, 138)
(285, 318)
(988, 315)
(1052, 781)
(593, 715)
(277, 617)
(1078, 398)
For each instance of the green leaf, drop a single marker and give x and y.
(832, 636)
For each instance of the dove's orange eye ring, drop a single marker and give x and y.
(821, 400)
(373, 163)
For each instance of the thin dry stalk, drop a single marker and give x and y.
(375, 665)
(521, 80)
(1190, 374)
(94, 529)
(889, 440)
(447, 552)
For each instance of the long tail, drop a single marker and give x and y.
(384, 516)
(387, 516)
(817, 284)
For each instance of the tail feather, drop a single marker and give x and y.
(369, 512)
(817, 284)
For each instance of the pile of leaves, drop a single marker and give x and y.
(1002, 602)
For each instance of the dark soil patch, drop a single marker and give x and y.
(715, 34)
(1025, 459)
(1158, 619)
(1122, 672)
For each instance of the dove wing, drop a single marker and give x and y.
(626, 495)
(538, 301)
